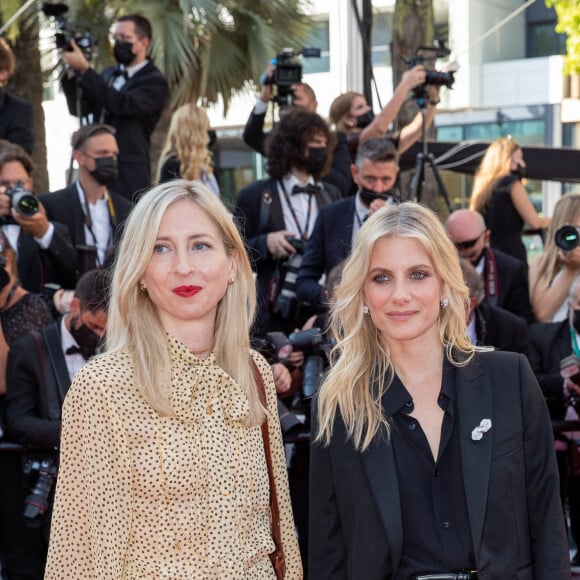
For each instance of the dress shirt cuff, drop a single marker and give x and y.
(260, 107)
(46, 240)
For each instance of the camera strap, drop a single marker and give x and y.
(302, 232)
(490, 277)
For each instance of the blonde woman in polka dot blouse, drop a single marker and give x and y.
(163, 472)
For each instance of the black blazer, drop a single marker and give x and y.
(512, 285)
(133, 111)
(549, 343)
(255, 225)
(57, 264)
(510, 477)
(501, 329)
(329, 244)
(17, 121)
(36, 386)
(64, 206)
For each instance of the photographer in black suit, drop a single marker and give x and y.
(40, 369)
(93, 215)
(504, 277)
(43, 247)
(277, 215)
(129, 97)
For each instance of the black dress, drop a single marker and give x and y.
(504, 221)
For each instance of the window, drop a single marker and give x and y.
(317, 38)
(381, 37)
(543, 40)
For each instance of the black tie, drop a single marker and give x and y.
(120, 72)
(309, 188)
(73, 350)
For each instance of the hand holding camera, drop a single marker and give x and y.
(570, 371)
(278, 244)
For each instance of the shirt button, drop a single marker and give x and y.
(445, 525)
(412, 426)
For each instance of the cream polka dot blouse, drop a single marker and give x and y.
(185, 497)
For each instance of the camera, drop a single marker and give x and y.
(288, 73)
(37, 502)
(67, 31)
(433, 77)
(88, 258)
(297, 243)
(570, 368)
(22, 200)
(567, 238)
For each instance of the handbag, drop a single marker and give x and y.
(277, 556)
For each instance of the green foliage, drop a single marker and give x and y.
(568, 12)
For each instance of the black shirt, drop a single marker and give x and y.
(436, 531)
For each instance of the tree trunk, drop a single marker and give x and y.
(27, 82)
(413, 27)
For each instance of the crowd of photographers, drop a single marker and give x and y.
(324, 180)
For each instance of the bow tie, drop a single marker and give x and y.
(309, 188)
(120, 72)
(74, 350)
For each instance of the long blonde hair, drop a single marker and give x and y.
(187, 139)
(566, 211)
(134, 322)
(363, 370)
(495, 165)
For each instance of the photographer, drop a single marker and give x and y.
(43, 247)
(93, 214)
(277, 215)
(298, 95)
(41, 366)
(551, 345)
(130, 97)
(16, 116)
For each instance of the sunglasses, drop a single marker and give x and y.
(468, 243)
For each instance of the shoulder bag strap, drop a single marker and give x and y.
(277, 556)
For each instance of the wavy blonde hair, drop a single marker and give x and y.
(566, 211)
(187, 139)
(362, 370)
(495, 165)
(134, 322)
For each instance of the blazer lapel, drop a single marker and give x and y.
(379, 463)
(474, 401)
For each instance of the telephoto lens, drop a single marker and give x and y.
(567, 238)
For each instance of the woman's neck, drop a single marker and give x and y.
(416, 361)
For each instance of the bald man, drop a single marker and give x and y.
(504, 277)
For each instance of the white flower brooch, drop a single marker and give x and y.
(483, 427)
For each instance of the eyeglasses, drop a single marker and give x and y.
(468, 243)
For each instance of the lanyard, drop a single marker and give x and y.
(574, 340)
(303, 233)
(490, 274)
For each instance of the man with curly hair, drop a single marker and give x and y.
(277, 215)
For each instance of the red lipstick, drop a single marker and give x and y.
(186, 291)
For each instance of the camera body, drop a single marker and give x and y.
(37, 501)
(567, 237)
(433, 77)
(288, 73)
(65, 31)
(298, 244)
(570, 368)
(22, 200)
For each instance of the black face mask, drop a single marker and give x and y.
(316, 160)
(519, 171)
(123, 52)
(106, 170)
(576, 320)
(365, 119)
(87, 340)
(368, 196)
